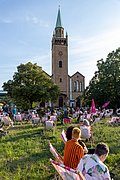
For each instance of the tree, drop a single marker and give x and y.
(31, 84)
(105, 85)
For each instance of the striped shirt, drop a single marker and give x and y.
(73, 152)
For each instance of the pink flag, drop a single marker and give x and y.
(93, 109)
(106, 104)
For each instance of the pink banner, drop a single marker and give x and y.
(93, 108)
(106, 104)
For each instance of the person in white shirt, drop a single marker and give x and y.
(92, 166)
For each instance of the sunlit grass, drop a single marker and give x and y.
(24, 152)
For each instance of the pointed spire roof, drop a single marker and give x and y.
(58, 22)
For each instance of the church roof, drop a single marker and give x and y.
(78, 73)
(58, 22)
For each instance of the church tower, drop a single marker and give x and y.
(60, 61)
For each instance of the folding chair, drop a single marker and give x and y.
(67, 121)
(63, 136)
(35, 121)
(65, 172)
(87, 133)
(6, 123)
(53, 118)
(54, 152)
(50, 125)
(2, 130)
(115, 120)
(18, 118)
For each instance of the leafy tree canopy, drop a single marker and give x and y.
(31, 84)
(105, 85)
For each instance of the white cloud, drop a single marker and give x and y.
(6, 21)
(107, 40)
(36, 20)
(84, 53)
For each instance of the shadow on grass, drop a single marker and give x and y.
(23, 135)
(20, 127)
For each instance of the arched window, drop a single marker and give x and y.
(75, 86)
(80, 86)
(60, 64)
(77, 82)
(60, 79)
(60, 101)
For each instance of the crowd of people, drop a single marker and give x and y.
(49, 116)
(76, 154)
(89, 162)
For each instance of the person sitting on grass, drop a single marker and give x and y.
(92, 166)
(73, 151)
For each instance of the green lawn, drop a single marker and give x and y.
(24, 152)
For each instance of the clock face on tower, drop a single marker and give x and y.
(60, 53)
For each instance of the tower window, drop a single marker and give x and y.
(60, 79)
(60, 64)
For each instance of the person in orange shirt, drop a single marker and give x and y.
(69, 137)
(73, 151)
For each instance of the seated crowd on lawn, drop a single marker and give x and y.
(78, 113)
(64, 115)
(76, 154)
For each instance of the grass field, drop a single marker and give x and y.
(24, 152)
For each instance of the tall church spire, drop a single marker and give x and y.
(58, 22)
(59, 30)
(60, 60)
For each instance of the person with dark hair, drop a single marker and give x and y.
(92, 166)
(69, 133)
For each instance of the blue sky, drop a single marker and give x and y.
(26, 28)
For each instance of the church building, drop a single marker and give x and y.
(71, 87)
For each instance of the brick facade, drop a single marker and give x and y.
(71, 87)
